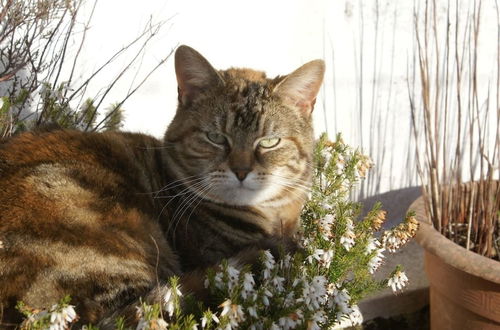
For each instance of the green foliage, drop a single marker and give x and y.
(114, 117)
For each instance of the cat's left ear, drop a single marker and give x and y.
(300, 88)
(194, 74)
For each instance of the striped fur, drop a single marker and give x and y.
(108, 217)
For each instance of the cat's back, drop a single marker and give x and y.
(76, 215)
(60, 145)
(62, 166)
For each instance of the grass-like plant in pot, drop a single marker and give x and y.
(455, 107)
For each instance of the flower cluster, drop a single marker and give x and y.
(320, 286)
(58, 317)
(398, 280)
(395, 238)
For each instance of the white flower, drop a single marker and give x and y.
(289, 299)
(285, 262)
(291, 321)
(391, 241)
(257, 326)
(322, 256)
(340, 298)
(324, 205)
(169, 299)
(269, 264)
(226, 307)
(219, 283)
(378, 258)
(325, 226)
(372, 245)
(233, 311)
(376, 261)
(347, 239)
(233, 275)
(398, 281)
(278, 281)
(274, 327)
(248, 283)
(355, 316)
(161, 324)
(316, 255)
(314, 293)
(326, 258)
(268, 259)
(352, 318)
(59, 319)
(318, 317)
(252, 311)
(306, 241)
(204, 320)
(265, 299)
(328, 219)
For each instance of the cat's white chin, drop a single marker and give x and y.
(242, 195)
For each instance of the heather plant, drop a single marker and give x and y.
(316, 288)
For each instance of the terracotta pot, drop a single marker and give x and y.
(464, 286)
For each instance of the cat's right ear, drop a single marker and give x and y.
(194, 74)
(299, 88)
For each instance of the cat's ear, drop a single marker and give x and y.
(299, 88)
(194, 74)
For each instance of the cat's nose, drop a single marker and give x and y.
(241, 174)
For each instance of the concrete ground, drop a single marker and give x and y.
(416, 294)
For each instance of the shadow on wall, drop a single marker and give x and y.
(395, 202)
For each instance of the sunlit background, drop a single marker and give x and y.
(369, 48)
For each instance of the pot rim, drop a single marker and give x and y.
(453, 254)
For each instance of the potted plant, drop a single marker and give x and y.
(456, 127)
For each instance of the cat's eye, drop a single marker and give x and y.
(269, 142)
(216, 138)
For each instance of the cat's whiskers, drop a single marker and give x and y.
(294, 181)
(186, 205)
(187, 185)
(298, 193)
(203, 194)
(185, 191)
(183, 181)
(293, 187)
(187, 201)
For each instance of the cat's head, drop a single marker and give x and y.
(240, 138)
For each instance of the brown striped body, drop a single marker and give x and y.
(107, 217)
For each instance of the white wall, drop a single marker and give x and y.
(368, 47)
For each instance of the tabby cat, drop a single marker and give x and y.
(108, 217)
